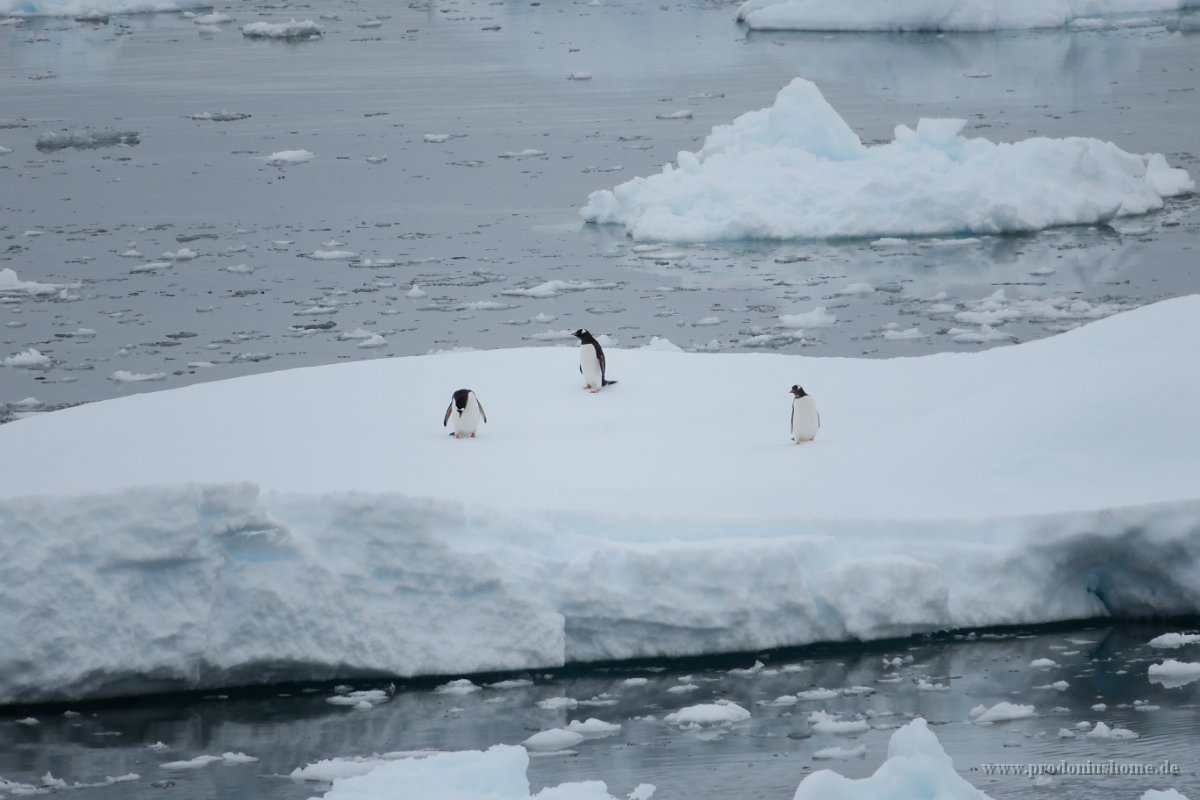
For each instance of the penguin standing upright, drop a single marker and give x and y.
(805, 419)
(591, 361)
(467, 412)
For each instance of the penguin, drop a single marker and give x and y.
(467, 412)
(805, 418)
(591, 361)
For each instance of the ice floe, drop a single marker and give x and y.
(796, 170)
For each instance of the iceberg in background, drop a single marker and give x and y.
(940, 15)
(797, 171)
(72, 8)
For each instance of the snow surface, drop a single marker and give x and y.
(290, 525)
(941, 15)
(797, 171)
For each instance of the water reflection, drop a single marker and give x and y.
(1068, 676)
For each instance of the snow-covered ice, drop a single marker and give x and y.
(796, 170)
(944, 15)
(306, 29)
(1173, 641)
(916, 766)
(317, 497)
(1003, 711)
(1172, 674)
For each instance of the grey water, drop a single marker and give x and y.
(886, 684)
(454, 143)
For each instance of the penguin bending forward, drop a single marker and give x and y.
(805, 418)
(467, 412)
(591, 361)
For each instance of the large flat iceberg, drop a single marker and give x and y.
(939, 15)
(318, 523)
(797, 171)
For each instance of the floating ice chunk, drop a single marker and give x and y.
(856, 288)
(824, 722)
(1058, 686)
(555, 288)
(416, 292)
(1172, 674)
(916, 766)
(5, 150)
(306, 29)
(719, 713)
(457, 687)
(928, 686)
(238, 758)
(219, 116)
(818, 694)
(1003, 712)
(212, 19)
(907, 335)
(529, 152)
(817, 318)
(594, 728)
(365, 698)
(579, 76)
(662, 344)
(985, 335)
(333, 255)
(151, 266)
(1102, 731)
(840, 753)
(556, 703)
(182, 254)
(28, 359)
(286, 158)
(192, 763)
(796, 170)
(437, 138)
(29, 721)
(553, 739)
(682, 114)
(372, 342)
(1043, 663)
(1167, 641)
(10, 284)
(125, 376)
(86, 138)
(512, 683)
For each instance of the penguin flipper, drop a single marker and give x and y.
(482, 413)
(446, 418)
(606, 382)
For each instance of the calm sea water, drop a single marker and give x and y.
(886, 684)
(452, 151)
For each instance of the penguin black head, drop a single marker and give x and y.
(460, 398)
(798, 391)
(582, 335)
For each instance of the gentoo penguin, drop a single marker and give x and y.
(805, 419)
(467, 412)
(591, 361)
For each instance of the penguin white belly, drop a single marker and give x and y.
(466, 422)
(589, 365)
(805, 420)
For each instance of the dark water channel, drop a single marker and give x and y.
(885, 685)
